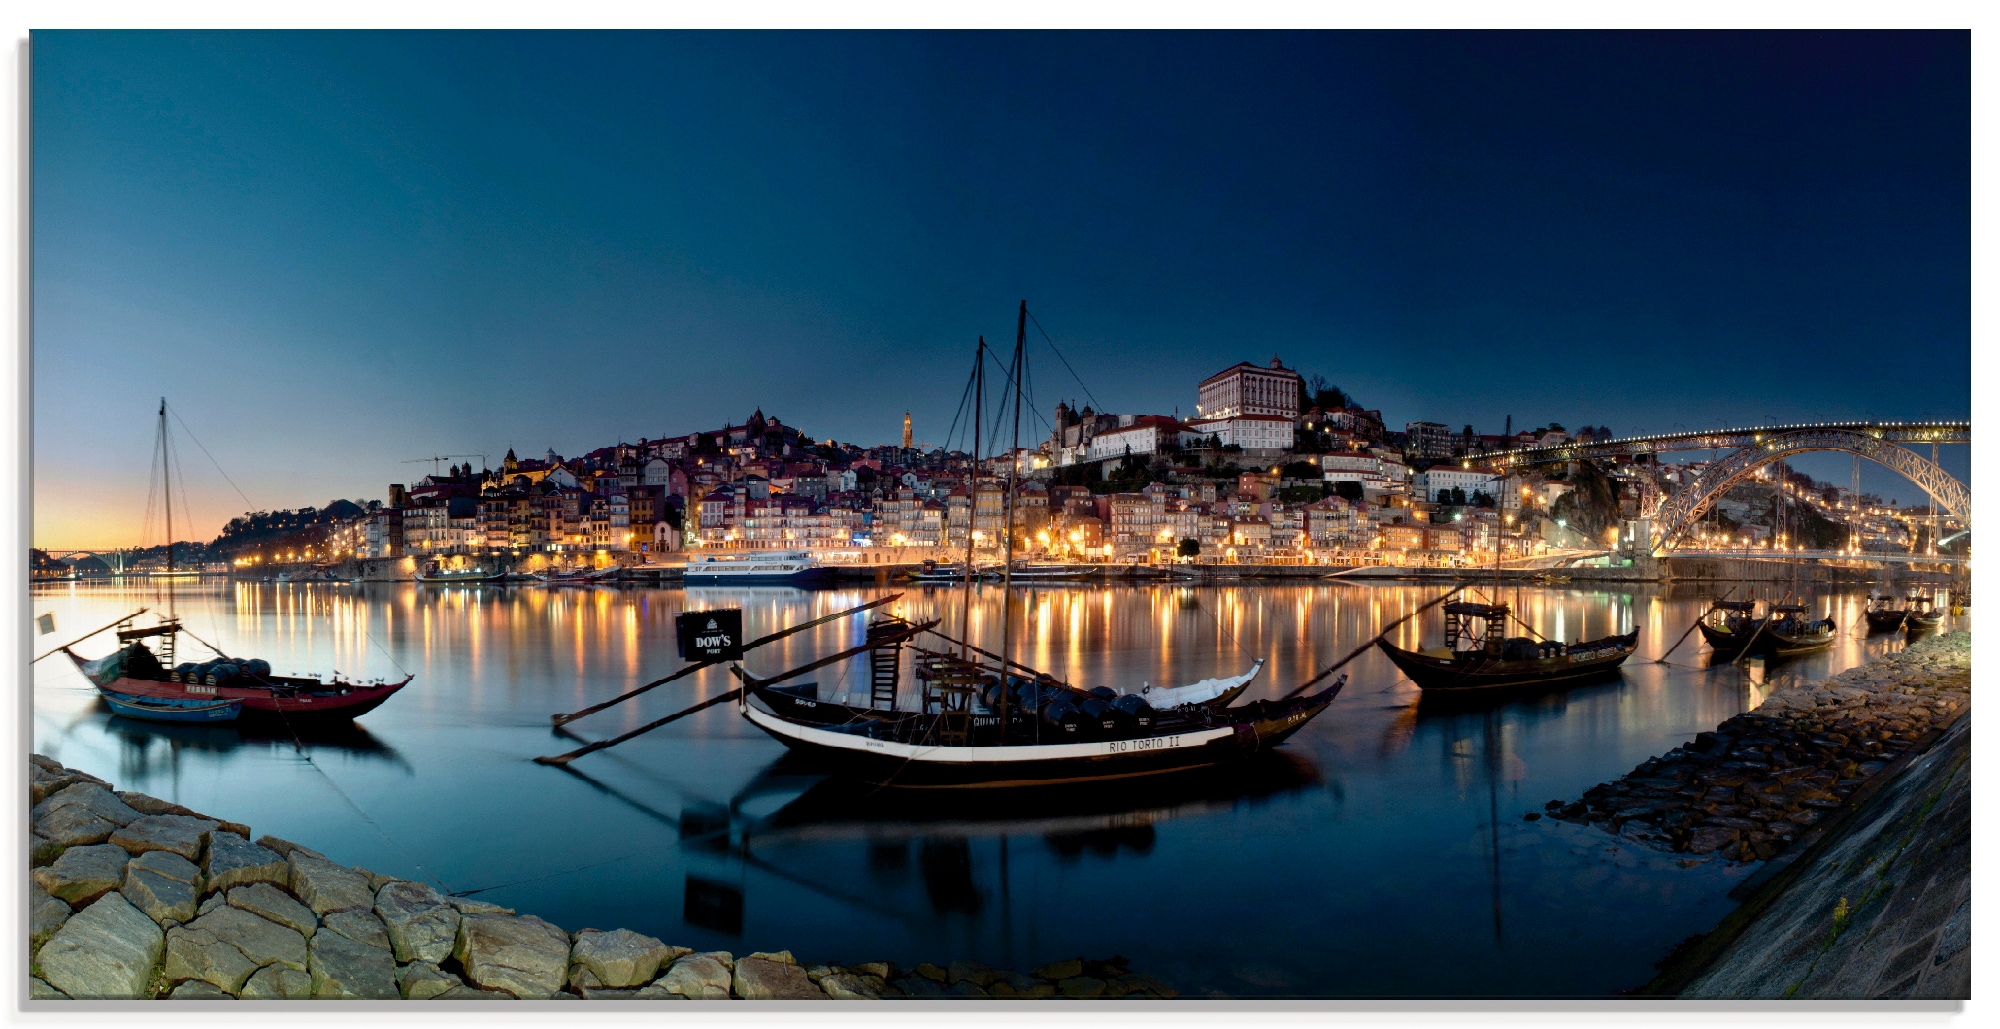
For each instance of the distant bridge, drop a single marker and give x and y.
(1885, 443)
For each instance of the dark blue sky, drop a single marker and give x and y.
(336, 251)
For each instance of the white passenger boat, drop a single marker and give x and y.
(791, 567)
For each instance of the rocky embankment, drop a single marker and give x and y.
(133, 897)
(1761, 780)
(1882, 909)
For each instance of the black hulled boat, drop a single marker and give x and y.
(1729, 626)
(1044, 737)
(1478, 655)
(1924, 615)
(1884, 614)
(1791, 633)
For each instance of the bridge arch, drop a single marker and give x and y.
(1680, 512)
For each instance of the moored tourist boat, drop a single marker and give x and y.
(1479, 655)
(791, 567)
(437, 575)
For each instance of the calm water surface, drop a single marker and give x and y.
(1381, 852)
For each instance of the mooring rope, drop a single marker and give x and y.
(298, 746)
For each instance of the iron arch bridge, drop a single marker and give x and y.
(1885, 443)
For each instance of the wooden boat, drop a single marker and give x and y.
(1924, 615)
(1039, 742)
(1791, 633)
(1478, 655)
(587, 577)
(1039, 571)
(171, 709)
(936, 571)
(1884, 615)
(134, 671)
(1730, 625)
(801, 702)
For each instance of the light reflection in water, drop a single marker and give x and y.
(1389, 832)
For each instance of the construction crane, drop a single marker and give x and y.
(435, 458)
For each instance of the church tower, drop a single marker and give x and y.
(909, 441)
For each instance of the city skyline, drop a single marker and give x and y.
(337, 253)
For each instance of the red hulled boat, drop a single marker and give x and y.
(133, 670)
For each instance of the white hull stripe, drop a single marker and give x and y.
(976, 755)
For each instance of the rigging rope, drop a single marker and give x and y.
(1065, 362)
(299, 747)
(211, 457)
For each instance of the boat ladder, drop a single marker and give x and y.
(885, 663)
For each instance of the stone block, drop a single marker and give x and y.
(343, 969)
(194, 953)
(183, 834)
(91, 797)
(161, 898)
(46, 914)
(106, 951)
(74, 826)
(619, 958)
(523, 955)
(232, 861)
(263, 941)
(272, 904)
(83, 874)
(276, 982)
(422, 925)
(763, 979)
(359, 926)
(325, 886)
(697, 977)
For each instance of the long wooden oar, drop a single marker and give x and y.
(699, 665)
(1358, 651)
(1662, 659)
(1745, 655)
(895, 637)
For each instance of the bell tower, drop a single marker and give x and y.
(909, 441)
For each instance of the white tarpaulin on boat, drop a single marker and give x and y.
(1166, 697)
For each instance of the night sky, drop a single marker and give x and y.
(334, 252)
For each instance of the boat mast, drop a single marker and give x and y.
(1007, 527)
(972, 508)
(167, 484)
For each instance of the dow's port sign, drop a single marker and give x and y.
(712, 635)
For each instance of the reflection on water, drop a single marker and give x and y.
(1381, 852)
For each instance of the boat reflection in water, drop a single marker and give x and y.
(147, 747)
(921, 834)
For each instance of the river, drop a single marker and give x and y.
(1382, 852)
